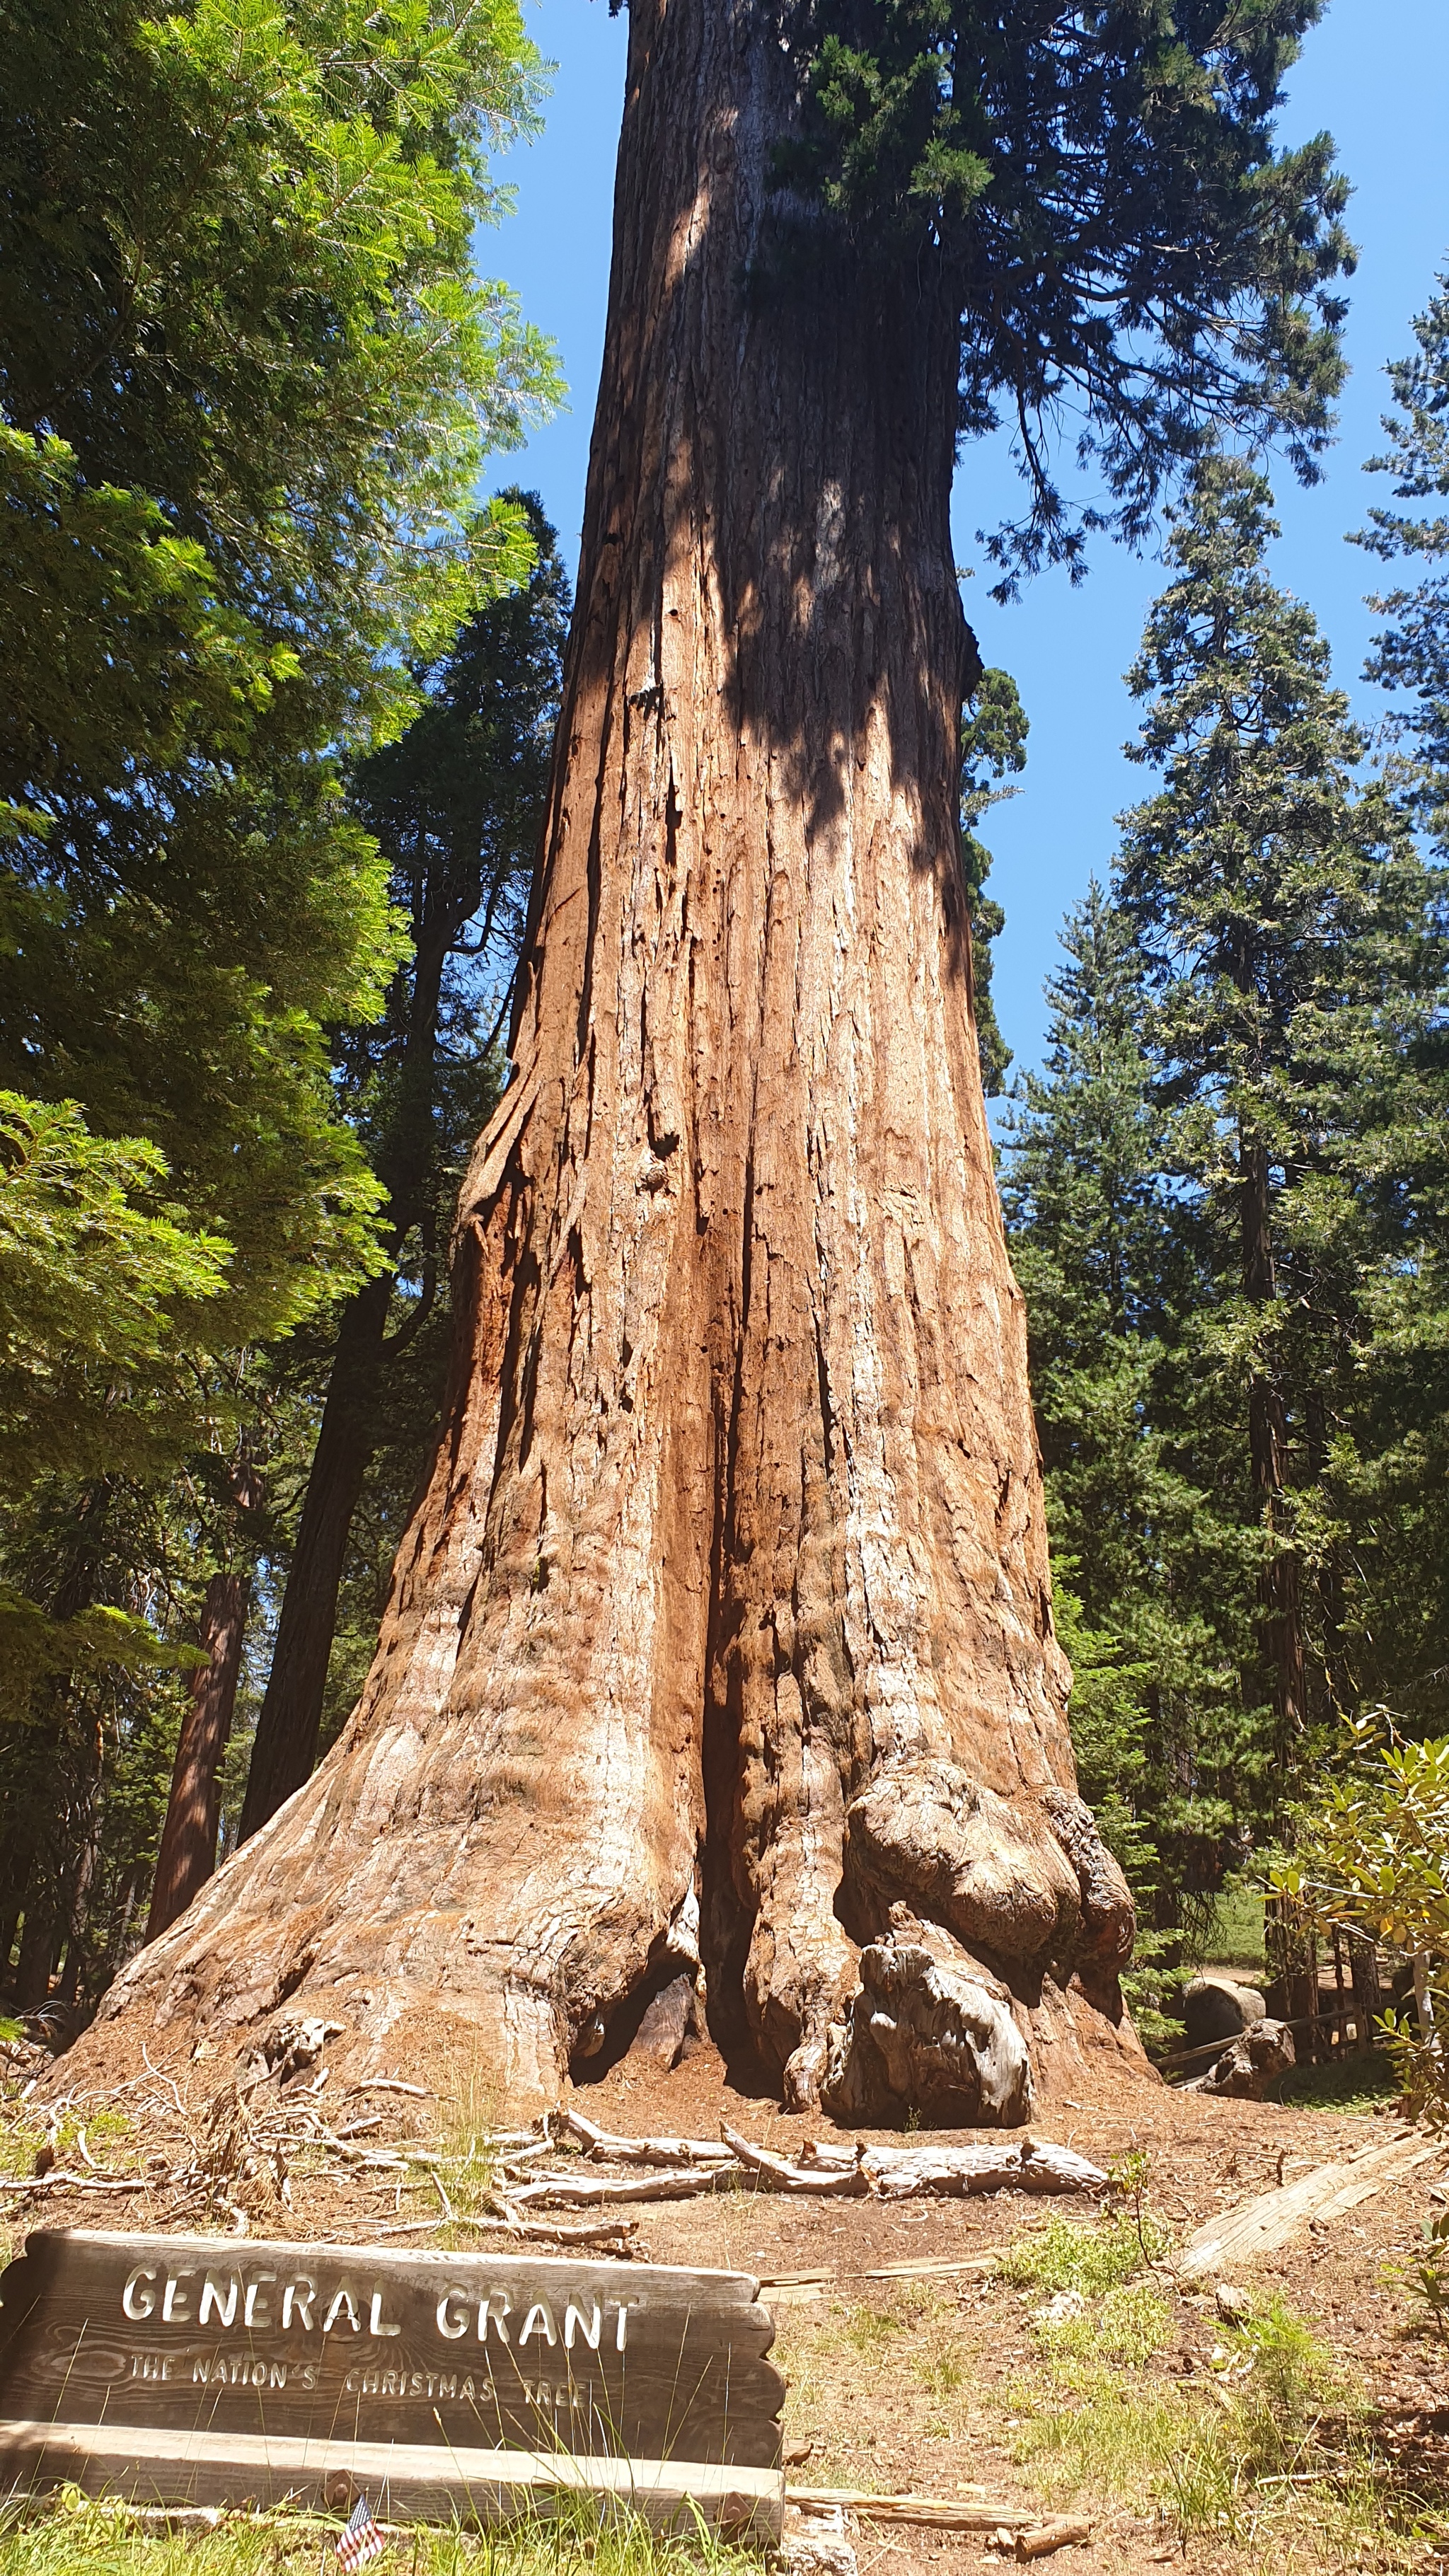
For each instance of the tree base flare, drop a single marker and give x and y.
(924, 2035)
(915, 2024)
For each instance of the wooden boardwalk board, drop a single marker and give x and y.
(1239, 2235)
(202, 2369)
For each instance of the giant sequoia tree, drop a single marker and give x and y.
(723, 1623)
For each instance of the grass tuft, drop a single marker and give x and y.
(1091, 2258)
(78, 2536)
(1273, 2451)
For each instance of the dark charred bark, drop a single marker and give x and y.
(724, 1622)
(188, 1838)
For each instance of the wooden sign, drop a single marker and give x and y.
(181, 2369)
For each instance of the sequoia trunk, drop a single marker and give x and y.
(723, 1627)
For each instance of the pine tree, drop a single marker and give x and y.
(1218, 1212)
(1411, 654)
(1111, 1260)
(1395, 1478)
(1286, 926)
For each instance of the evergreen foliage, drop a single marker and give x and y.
(247, 380)
(1221, 1211)
(91, 1697)
(1091, 185)
(993, 743)
(457, 806)
(1411, 654)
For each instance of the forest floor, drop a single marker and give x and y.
(1301, 2426)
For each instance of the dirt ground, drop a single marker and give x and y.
(906, 2377)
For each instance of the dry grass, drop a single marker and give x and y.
(77, 2537)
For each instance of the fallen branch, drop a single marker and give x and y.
(895, 2173)
(572, 2191)
(932, 2270)
(60, 2181)
(830, 2155)
(945, 2513)
(607, 2147)
(788, 2177)
(603, 2238)
(1059, 2533)
(391, 2084)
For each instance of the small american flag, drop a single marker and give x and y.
(361, 2541)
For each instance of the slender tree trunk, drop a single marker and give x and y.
(188, 1838)
(37, 1950)
(285, 1747)
(1368, 1997)
(288, 1722)
(1280, 1590)
(729, 1589)
(16, 1866)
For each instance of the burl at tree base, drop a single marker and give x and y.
(721, 1639)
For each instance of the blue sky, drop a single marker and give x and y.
(1376, 74)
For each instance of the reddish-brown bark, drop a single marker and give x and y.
(188, 1838)
(729, 1591)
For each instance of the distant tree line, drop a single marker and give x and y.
(250, 968)
(1228, 1195)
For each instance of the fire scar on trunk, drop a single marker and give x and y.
(720, 1647)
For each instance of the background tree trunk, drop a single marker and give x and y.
(1281, 1591)
(284, 1749)
(729, 1590)
(188, 1838)
(285, 1745)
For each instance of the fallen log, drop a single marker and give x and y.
(1006, 2164)
(849, 2172)
(787, 2177)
